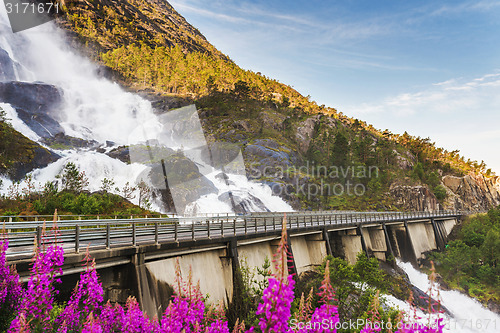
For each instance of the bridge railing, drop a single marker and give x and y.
(76, 235)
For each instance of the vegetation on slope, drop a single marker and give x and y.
(471, 262)
(68, 195)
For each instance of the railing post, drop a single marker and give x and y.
(246, 225)
(222, 227)
(38, 236)
(176, 231)
(192, 231)
(208, 228)
(255, 219)
(134, 234)
(108, 236)
(265, 224)
(77, 239)
(234, 227)
(156, 234)
(274, 223)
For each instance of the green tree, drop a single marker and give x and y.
(340, 150)
(440, 192)
(72, 179)
(241, 89)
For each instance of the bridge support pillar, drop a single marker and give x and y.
(388, 241)
(359, 230)
(439, 238)
(144, 296)
(326, 238)
(410, 243)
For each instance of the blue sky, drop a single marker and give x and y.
(431, 68)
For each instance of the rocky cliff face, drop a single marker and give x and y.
(471, 192)
(418, 198)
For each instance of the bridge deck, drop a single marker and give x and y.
(97, 234)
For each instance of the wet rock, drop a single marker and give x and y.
(36, 104)
(41, 158)
(243, 204)
(184, 182)
(62, 142)
(7, 72)
(121, 153)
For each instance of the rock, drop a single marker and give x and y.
(415, 198)
(472, 192)
(121, 153)
(243, 125)
(442, 284)
(7, 72)
(243, 204)
(272, 120)
(269, 158)
(163, 103)
(36, 104)
(185, 182)
(41, 158)
(403, 162)
(305, 133)
(493, 306)
(61, 141)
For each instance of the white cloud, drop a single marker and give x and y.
(451, 96)
(457, 114)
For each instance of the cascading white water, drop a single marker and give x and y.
(469, 316)
(94, 108)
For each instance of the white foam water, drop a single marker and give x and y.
(469, 316)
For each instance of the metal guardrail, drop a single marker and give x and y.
(78, 234)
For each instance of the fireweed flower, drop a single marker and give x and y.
(186, 311)
(275, 307)
(86, 298)
(277, 298)
(39, 296)
(10, 287)
(92, 326)
(110, 318)
(135, 321)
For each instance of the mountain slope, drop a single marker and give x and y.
(155, 51)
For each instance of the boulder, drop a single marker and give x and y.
(121, 153)
(243, 204)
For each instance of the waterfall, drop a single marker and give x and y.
(469, 316)
(100, 113)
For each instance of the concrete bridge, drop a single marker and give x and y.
(137, 256)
